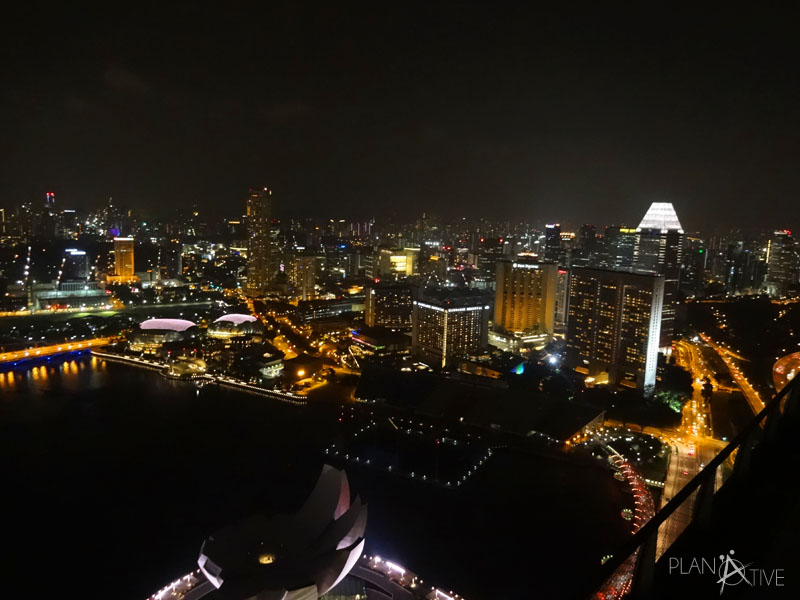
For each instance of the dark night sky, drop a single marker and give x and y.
(578, 115)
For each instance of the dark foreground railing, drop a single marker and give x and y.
(630, 572)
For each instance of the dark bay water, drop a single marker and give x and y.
(112, 476)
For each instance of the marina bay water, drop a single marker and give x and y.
(113, 475)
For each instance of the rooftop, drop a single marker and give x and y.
(661, 215)
(166, 324)
(238, 319)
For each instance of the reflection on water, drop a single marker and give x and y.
(130, 471)
(65, 373)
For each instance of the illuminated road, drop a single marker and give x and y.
(785, 369)
(55, 349)
(729, 358)
(692, 443)
(282, 344)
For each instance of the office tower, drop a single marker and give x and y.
(303, 275)
(552, 241)
(614, 325)
(2, 221)
(782, 263)
(447, 323)
(658, 249)
(388, 304)
(76, 265)
(561, 302)
(368, 261)
(694, 265)
(525, 293)
(258, 214)
(123, 258)
(397, 262)
(617, 248)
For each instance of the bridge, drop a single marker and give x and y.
(35, 352)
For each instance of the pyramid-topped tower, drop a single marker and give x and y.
(662, 216)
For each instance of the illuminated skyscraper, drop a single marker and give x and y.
(258, 214)
(525, 296)
(388, 305)
(782, 263)
(303, 275)
(448, 323)
(397, 262)
(614, 325)
(658, 249)
(123, 259)
(617, 248)
(561, 302)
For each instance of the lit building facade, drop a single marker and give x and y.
(397, 262)
(303, 275)
(123, 259)
(154, 333)
(659, 249)
(782, 263)
(561, 302)
(446, 324)
(389, 305)
(618, 243)
(614, 325)
(258, 215)
(525, 296)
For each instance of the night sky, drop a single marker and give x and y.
(583, 115)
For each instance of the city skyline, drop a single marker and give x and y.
(344, 108)
(527, 277)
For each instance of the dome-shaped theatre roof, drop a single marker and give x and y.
(238, 319)
(166, 324)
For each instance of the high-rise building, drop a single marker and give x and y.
(552, 241)
(123, 259)
(658, 249)
(561, 302)
(694, 265)
(614, 325)
(258, 214)
(388, 304)
(617, 248)
(76, 265)
(303, 275)
(782, 263)
(397, 262)
(525, 293)
(447, 323)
